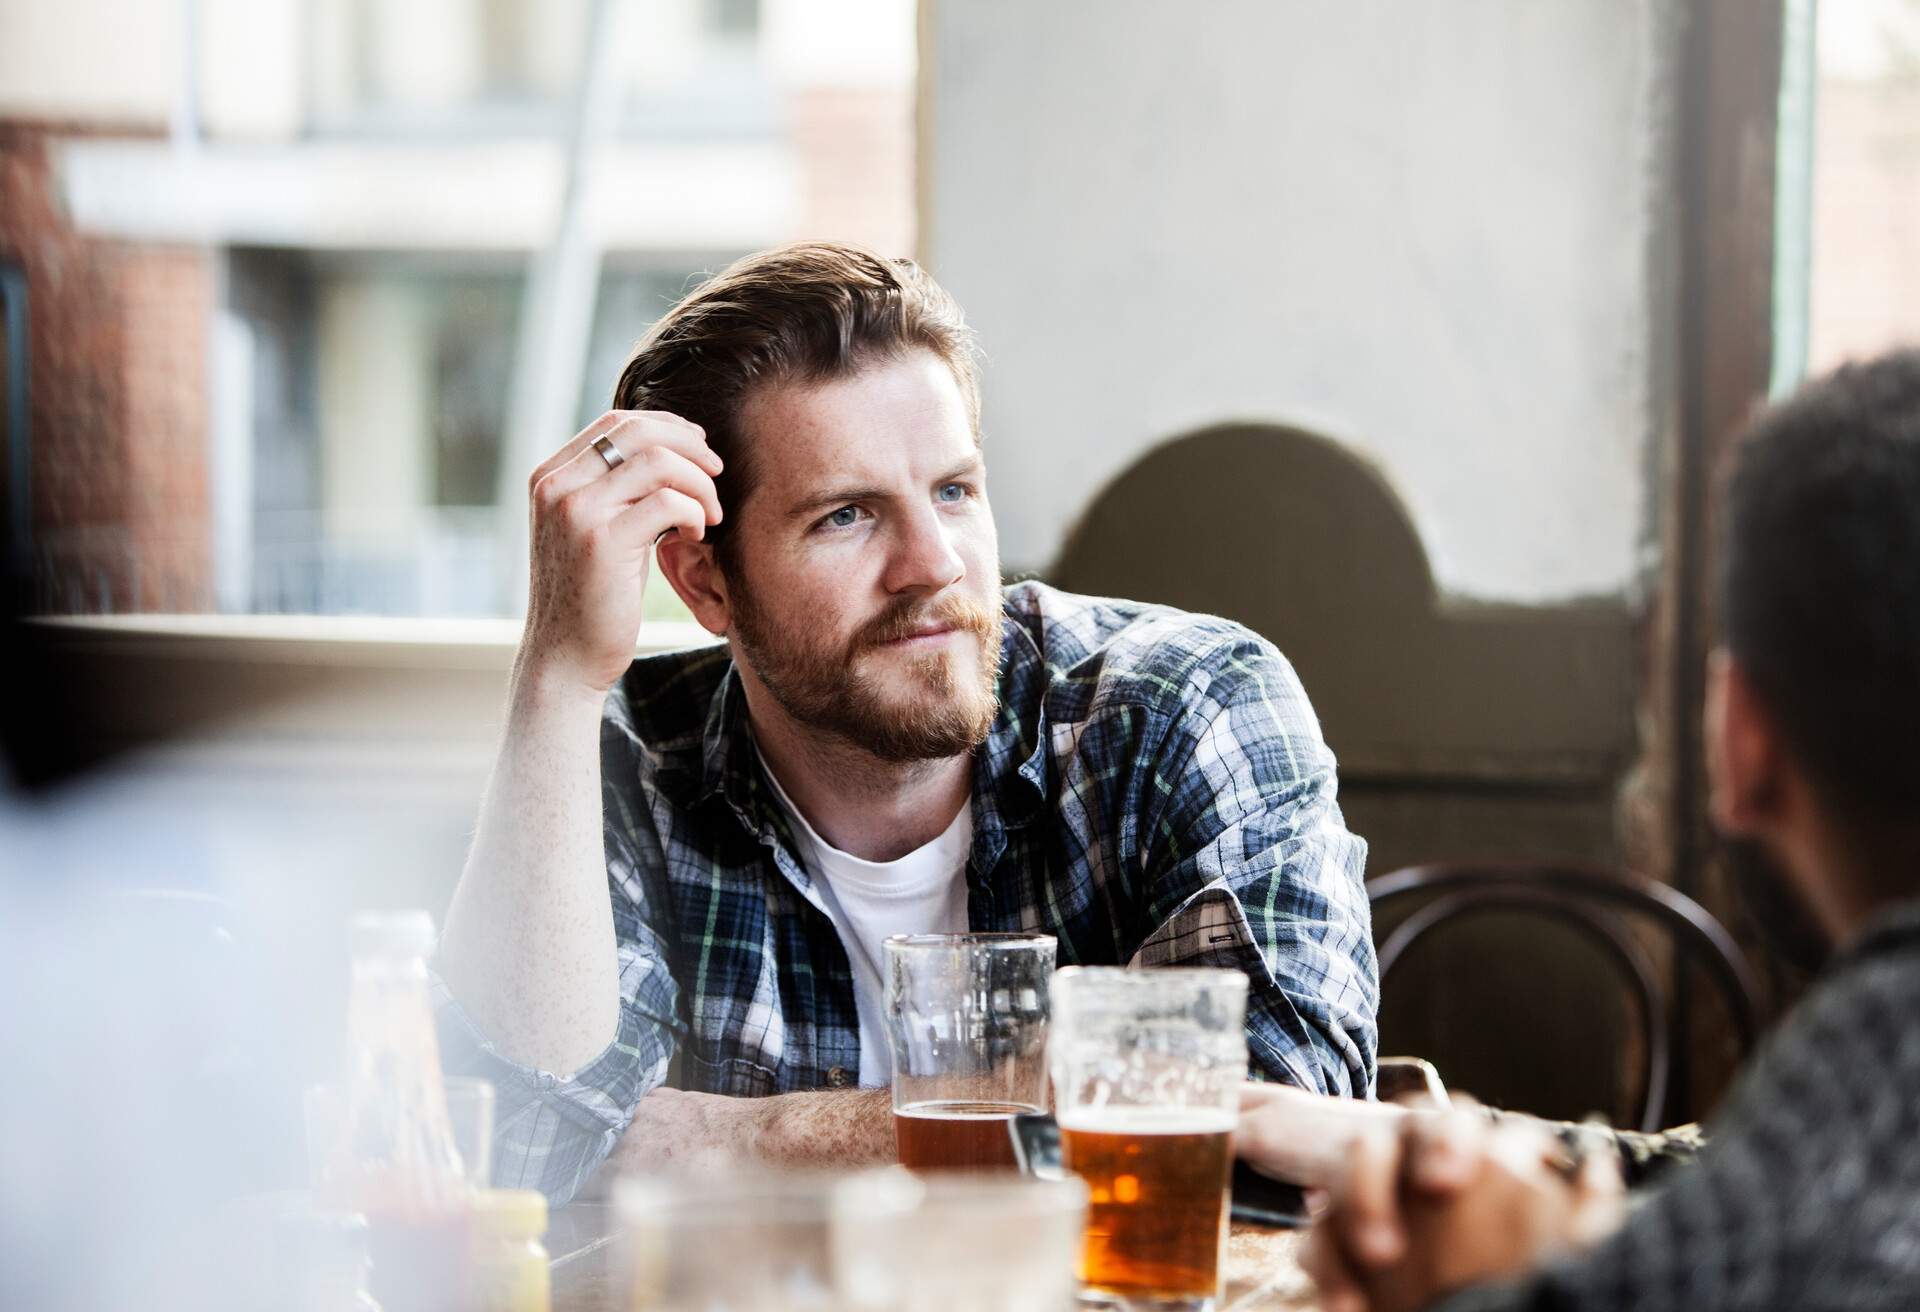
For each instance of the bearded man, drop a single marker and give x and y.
(667, 937)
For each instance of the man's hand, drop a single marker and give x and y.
(673, 1129)
(1303, 1137)
(1448, 1201)
(593, 530)
(529, 947)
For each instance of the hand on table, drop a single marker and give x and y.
(1303, 1137)
(593, 530)
(1444, 1200)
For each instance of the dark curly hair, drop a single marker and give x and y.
(1819, 587)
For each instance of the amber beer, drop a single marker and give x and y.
(947, 1135)
(1157, 1182)
(967, 1034)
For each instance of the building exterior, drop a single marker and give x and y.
(311, 284)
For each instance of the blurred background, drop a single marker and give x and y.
(1408, 335)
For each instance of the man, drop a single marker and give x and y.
(1808, 1192)
(685, 864)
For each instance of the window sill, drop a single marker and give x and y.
(326, 640)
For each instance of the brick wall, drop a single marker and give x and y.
(118, 338)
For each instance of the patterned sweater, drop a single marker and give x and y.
(1808, 1195)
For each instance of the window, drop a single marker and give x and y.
(455, 67)
(333, 332)
(380, 390)
(1850, 266)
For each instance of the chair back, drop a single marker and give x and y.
(1602, 909)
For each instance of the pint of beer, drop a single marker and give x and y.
(967, 1027)
(1146, 1070)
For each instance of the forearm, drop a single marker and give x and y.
(1304, 1137)
(1643, 1156)
(529, 942)
(839, 1127)
(830, 1128)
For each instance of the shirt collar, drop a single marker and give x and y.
(1892, 928)
(1010, 769)
(729, 762)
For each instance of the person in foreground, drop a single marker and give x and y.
(1808, 1191)
(686, 864)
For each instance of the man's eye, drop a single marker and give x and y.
(843, 517)
(953, 492)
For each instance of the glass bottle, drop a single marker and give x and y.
(396, 1161)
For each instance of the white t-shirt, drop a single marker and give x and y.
(924, 892)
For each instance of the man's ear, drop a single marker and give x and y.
(1746, 760)
(695, 575)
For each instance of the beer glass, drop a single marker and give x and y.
(1147, 1066)
(967, 1024)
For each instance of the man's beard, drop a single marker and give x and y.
(1786, 924)
(822, 687)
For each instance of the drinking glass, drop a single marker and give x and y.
(957, 1242)
(967, 1025)
(1147, 1066)
(757, 1242)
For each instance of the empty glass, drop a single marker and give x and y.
(748, 1243)
(957, 1242)
(876, 1241)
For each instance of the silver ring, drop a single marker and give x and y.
(609, 452)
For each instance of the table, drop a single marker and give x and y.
(1263, 1272)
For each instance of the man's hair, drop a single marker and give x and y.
(806, 313)
(1820, 583)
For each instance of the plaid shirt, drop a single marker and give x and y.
(1154, 790)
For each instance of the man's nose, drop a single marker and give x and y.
(924, 557)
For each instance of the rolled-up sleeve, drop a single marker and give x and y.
(552, 1130)
(1251, 865)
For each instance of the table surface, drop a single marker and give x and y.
(1263, 1272)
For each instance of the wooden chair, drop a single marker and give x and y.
(1598, 906)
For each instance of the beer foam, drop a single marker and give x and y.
(1109, 1119)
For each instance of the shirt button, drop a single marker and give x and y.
(838, 1078)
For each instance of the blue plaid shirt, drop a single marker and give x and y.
(1154, 790)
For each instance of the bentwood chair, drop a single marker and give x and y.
(1420, 905)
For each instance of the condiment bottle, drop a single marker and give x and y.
(510, 1265)
(396, 1161)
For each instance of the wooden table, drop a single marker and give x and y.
(1263, 1274)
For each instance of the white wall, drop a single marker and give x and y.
(113, 60)
(844, 43)
(1423, 230)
